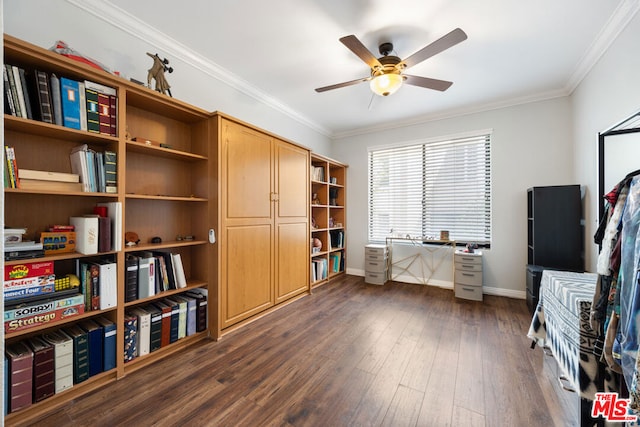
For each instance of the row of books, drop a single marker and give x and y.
(92, 171)
(153, 326)
(83, 105)
(149, 273)
(319, 269)
(97, 169)
(336, 262)
(317, 173)
(337, 239)
(42, 366)
(98, 283)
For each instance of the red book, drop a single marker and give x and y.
(43, 369)
(104, 112)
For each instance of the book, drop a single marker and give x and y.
(131, 278)
(182, 315)
(25, 93)
(200, 295)
(83, 106)
(113, 112)
(167, 269)
(43, 368)
(56, 100)
(80, 353)
(44, 97)
(104, 234)
(19, 91)
(95, 342)
(79, 166)
(86, 234)
(12, 166)
(100, 175)
(165, 337)
(20, 381)
(178, 268)
(8, 95)
(114, 212)
(36, 184)
(48, 176)
(191, 313)
(144, 264)
(151, 277)
(93, 119)
(104, 114)
(108, 343)
(175, 319)
(111, 171)
(130, 340)
(155, 335)
(63, 358)
(143, 337)
(70, 101)
(14, 91)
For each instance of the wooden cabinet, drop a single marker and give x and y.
(328, 219)
(164, 192)
(264, 221)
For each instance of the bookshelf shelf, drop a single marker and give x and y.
(164, 192)
(328, 187)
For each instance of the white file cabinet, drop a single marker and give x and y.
(468, 275)
(375, 264)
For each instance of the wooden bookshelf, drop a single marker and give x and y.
(328, 218)
(164, 191)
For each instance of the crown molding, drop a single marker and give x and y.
(139, 29)
(618, 21)
(453, 113)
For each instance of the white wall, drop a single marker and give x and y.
(531, 146)
(43, 22)
(608, 94)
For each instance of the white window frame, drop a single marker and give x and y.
(407, 212)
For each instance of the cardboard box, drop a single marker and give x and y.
(57, 242)
(28, 269)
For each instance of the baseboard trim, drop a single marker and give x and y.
(487, 290)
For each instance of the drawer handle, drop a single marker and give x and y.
(468, 274)
(466, 266)
(468, 289)
(467, 259)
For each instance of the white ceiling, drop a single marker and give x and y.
(282, 49)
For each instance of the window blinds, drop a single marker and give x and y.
(423, 188)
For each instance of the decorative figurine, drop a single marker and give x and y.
(314, 199)
(156, 72)
(131, 238)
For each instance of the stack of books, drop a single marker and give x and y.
(47, 180)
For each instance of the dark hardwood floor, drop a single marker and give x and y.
(350, 354)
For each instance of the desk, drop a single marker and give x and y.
(424, 258)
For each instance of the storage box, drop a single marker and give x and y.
(28, 269)
(57, 242)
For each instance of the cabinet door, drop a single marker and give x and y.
(246, 253)
(292, 220)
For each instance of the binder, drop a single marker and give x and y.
(63, 359)
(155, 335)
(80, 353)
(108, 343)
(143, 337)
(191, 313)
(201, 308)
(130, 341)
(108, 284)
(43, 369)
(95, 338)
(20, 375)
(166, 323)
(175, 319)
(131, 279)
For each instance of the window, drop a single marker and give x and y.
(424, 187)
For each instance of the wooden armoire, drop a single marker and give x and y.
(263, 208)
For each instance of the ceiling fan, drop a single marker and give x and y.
(387, 71)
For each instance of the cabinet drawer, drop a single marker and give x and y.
(375, 250)
(464, 266)
(468, 259)
(375, 266)
(468, 277)
(375, 278)
(468, 292)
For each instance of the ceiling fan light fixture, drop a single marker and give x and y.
(386, 84)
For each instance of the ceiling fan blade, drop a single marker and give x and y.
(428, 83)
(356, 46)
(344, 84)
(445, 42)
